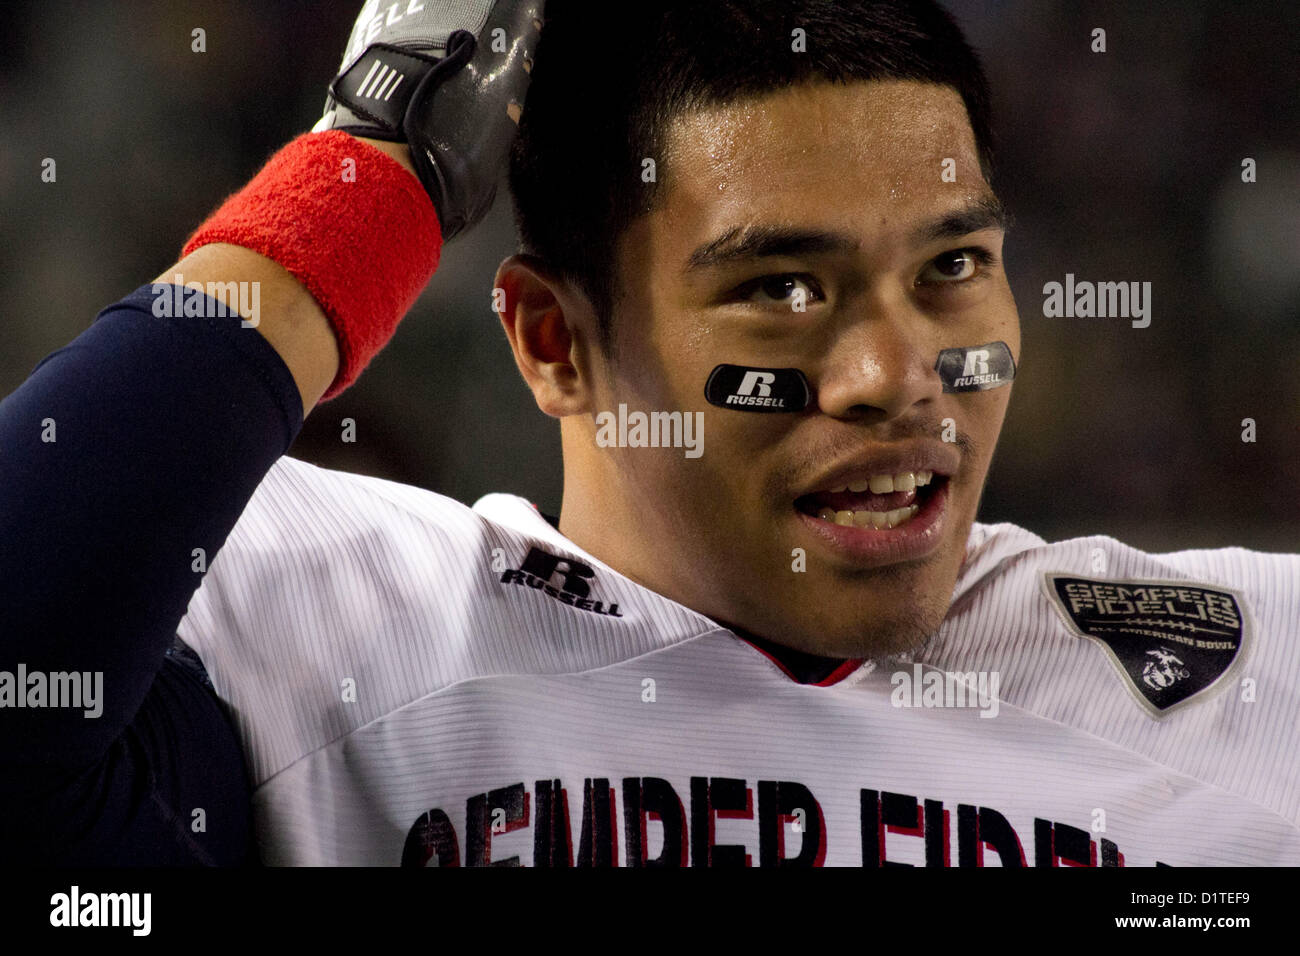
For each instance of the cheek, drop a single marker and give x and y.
(719, 494)
(982, 415)
(698, 337)
(669, 377)
(997, 417)
(1009, 320)
(660, 359)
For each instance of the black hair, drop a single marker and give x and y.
(605, 86)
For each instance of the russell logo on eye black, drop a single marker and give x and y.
(758, 389)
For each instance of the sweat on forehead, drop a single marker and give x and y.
(774, 162)
(821, 130)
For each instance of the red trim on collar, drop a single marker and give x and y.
(834, 677)
(841, 672)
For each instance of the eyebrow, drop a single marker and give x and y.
(765, 241)
(985, 212)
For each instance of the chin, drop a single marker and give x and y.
(885, 640)
(906, 628)
(897, 610)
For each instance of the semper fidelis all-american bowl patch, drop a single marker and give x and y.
(1172, 641)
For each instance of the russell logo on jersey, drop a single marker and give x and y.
(564, 579)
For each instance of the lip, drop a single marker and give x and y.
(918, 537)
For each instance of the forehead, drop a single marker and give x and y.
(834, 152)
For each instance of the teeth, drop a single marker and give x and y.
(885, 484)
(881, 484)
(899, 515)
(874, 519)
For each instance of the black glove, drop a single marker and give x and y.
(448, 78)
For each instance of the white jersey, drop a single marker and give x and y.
(417, 682)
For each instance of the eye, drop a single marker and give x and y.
(958, 265)
(783, 289)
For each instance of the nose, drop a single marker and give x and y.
(880, 366)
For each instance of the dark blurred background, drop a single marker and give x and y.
(1122, 166)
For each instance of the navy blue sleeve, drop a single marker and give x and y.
(125, 460)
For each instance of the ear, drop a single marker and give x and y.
(544, 318)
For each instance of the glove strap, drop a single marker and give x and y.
(349, 223)
(379, 86)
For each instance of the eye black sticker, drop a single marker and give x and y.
(976, 368)
(758, 389)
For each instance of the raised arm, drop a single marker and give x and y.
(127, 456)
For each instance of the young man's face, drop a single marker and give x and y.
(835, 193)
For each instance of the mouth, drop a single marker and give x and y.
(878, 502)
(879, 519)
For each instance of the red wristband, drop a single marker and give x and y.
(351, 224)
